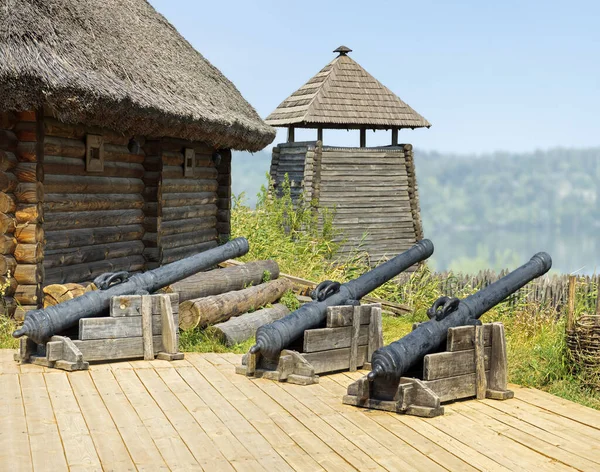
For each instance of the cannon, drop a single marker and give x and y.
(272, 338)
(473, 362)
(40, 325)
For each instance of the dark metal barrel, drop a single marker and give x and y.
(40, 325)
(272, 338)
(392, 361)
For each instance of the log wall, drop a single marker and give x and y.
(93, 221)
(186, 221)
(372, 190)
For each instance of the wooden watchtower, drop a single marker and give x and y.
(372, 189)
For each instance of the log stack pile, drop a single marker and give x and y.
(236, 300)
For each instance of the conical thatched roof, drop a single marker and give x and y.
(344, 95)
(121, 65)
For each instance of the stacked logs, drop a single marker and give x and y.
(185, 219)
(8, 206)
(228, 297)
(92, 220)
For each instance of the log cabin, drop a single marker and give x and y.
(372, 191)
(115, 144)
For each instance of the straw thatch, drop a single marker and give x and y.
(344, 95)
(119, 64)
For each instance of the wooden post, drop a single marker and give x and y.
(291, 135)
(598, 295)
(320, 134)
(147, 327)
(375, 332)
(169, 330)
(354, 341)
(571, 306)
(481, 384)
(394, 136)
(363, 137)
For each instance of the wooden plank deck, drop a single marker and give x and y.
(197, 414)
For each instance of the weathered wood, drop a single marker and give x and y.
(354, 338)
(217, 308)
(375, 332)
(189, 185)
(186, 239)
(85, 254)
(89, 271)
(29, 233)
(92, 219)
(463, 337)
(8, 203)
(7, 244)
(479, 354)
(241, 328)
(452, 388)
(113, 349)
(571, 301)
(10, 284)
(7, 223)
(27, 253)
(92, 236)
(59, 293)
(28, 192)
(449, 364)
(339, 316)
(147, 327)
(92, 184)
(332, 361)
(324, 339)
(184, 199)
(29, 274)
(498, 378)
(214, 282)
(54, 127)
(169, 325)
(113, 328)
(29, 213)
(185, 226)
(7, 161)
(59, 165)
(178, 213)
(7, 264)
(60, 202)
(131, 305)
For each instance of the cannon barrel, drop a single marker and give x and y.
(40, 325)
(272, 338)
(395, 359)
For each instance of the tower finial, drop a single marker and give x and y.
(343, 50)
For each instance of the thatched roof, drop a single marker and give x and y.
(121, 65)
(344, 95)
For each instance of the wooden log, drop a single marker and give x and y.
(29, 192)
(185, 226)
(29, 233)
(91, 219)
(217, 281)
(59, 165)
(241, 328)
(29, 274)
(64, 147)
(54, 127)
(10, 285)
(28, 253)
(186, 239)
(7, 223)
(175, 254)
(61, 202)
(85, 254)
(92, 236)
(29, 213)
(86, 272)
(8, 204)
(29, 172)
(8, 182)
(22, 310)
(7, 161)
(203, 312)
(181, 213)
(59, 293)
(7, 244)
(189, 185)
(28, 294)
(185, 199)
(92, 184)
(7, 264)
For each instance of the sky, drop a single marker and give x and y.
(489, 75)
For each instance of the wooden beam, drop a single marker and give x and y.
(394, 136)
(481, 380)
(320, 134)
(363, 137)
(291, 134)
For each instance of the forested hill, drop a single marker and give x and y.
(545, 189)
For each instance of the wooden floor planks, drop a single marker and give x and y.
(197, 414)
